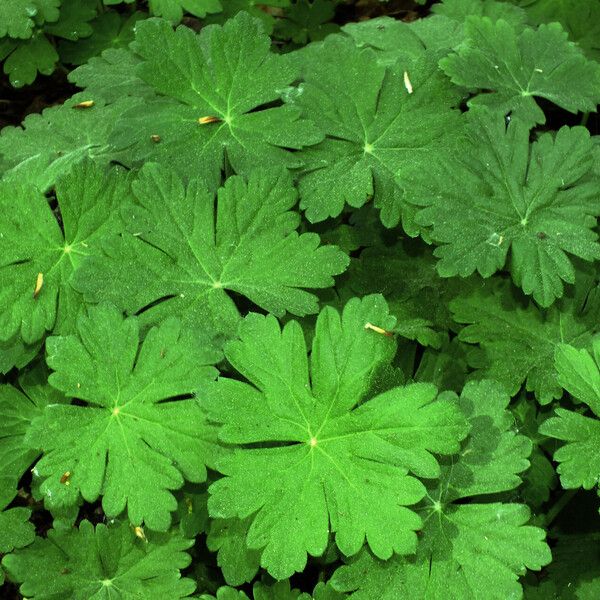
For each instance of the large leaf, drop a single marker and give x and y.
(102, 562)
(332, 464)
(496, 196)
(132, 441)
(518, 66)
(187, 250)
(469, 551)
(381, 124)
(213, 104)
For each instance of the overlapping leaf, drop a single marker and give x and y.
(173, 10)
(16, 531)
(110, 30)
(25, 58)
(39, 254)
(188, 249)
(580, 18)
(213, 105)
(102, 562)
(574, 573)
(518, 340)
(307, 20)
(518, 66)
(406, 276)
(47, 145)
(239, 564)
(495, 193)
(132, 442)
(18, 17)
(280, 590)
(18, 409)
(332, 463)
(381, 123)
(579, 458)
(469, 551)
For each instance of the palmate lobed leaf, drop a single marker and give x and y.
(39, 254)
(469, 551)
(518, 340)
(173, 10)
(380, 125)
(133, 441)
(189, 250)
(47, 146)
(535, 203)
(18, 409)
(579, 457)
(102, 562)
(18, 17)
(580, 18)
(331, 465)
(239, 564)
(280, 590)
(307, 20)
(214, 101)
(24, 59)
(518, 66)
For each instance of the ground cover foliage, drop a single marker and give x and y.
(300, 300)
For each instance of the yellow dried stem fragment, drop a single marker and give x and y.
(84, 104)
(39, 282)
(206, 120)
(379, 330)
(407, 83)
(139, 533)
(155, 138)
(65, 479)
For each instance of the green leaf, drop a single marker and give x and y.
(15, 529)
(110, 77)
(110, 30)
(214, 101)
(537, 202)
(30, 57)
(518, 340)
(18, 409)
(332, 463)
(540, 479)
(192, 511)
(574, 573)
(280, 590)
(132, 441)
(188, 249)
(173, 10)
(39, 254)
(307, 20)
(460, 10)
(14, 353)
(579, 457)
(469, 551)
(47, 145)
(380, 125)
(517, 66)
(239, 564)
(18, 17)
(580, 18)
(74, 20)
(406, 276)
(231, 8)
(103, 562)
(391, 39)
